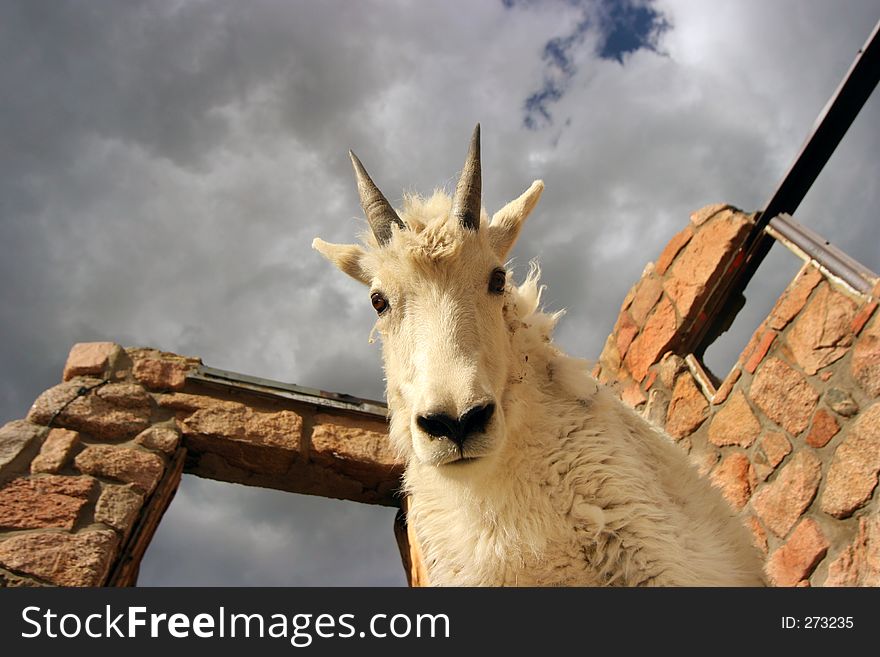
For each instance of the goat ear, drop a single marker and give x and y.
(506, 223)
(347, 257)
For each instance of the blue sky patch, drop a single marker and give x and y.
(624, 26)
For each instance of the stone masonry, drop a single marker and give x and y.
(86, 477)
(77, 482)
(791, 435)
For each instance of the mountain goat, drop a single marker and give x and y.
(522, 468)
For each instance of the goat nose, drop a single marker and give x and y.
(476, 419)
(441, 425)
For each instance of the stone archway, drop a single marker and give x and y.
(791, 435)
(88, 475)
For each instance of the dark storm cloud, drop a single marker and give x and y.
(289, 540)
(164, 167)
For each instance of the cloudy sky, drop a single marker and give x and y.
(164, 167)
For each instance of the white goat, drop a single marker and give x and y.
(523, 470)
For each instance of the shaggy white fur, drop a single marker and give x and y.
(567, 485)
(588, 493)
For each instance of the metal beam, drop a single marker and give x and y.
(830, 127)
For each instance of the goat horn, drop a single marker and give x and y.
(380, 214)
(466, 202)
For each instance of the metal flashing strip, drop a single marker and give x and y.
(270, 388)
(813, 247)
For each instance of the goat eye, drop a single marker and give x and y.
(380, 303)
(497, 281)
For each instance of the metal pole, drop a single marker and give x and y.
(830, 127)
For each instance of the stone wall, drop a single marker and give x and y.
(86, 477)
(791, 435)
